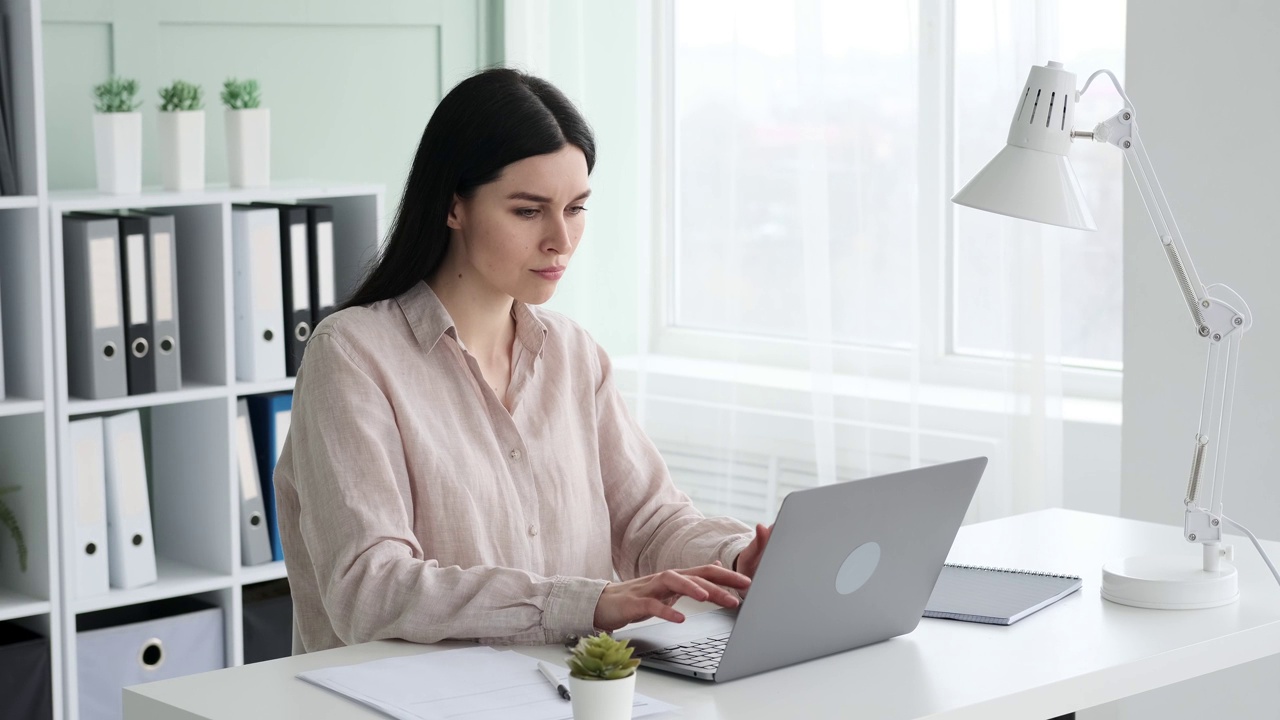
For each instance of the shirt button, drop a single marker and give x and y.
(515, 454)
(533, 530)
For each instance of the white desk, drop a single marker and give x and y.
(1080, 652)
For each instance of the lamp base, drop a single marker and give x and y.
(1169, 582)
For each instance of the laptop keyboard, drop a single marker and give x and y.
(701, 654)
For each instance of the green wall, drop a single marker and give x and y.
(350, 85)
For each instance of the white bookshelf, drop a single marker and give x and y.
(194, 495)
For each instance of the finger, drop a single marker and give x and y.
(720, 576)
(717, 594)
(652, 607)
(676, 582)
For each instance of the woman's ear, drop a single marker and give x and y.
(454, 219)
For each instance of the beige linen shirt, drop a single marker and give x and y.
(413, 505)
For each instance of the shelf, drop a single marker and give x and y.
(72, 200)
(16, 605)
(261, 573)
(20, 406)
(9, 202)
(175, 580)
(259, 388)
(192, 392)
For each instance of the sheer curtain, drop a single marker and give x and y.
(771, 258)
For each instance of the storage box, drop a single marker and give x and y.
(268, 621)
(25, 682)
(143, 643)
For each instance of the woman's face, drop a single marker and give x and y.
(517, 233)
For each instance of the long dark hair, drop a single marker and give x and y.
(488, 121)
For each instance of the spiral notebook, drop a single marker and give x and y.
(997, 596)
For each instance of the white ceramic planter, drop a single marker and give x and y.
(602, 699)
(249, 147)
(181, 149)
(117, 152)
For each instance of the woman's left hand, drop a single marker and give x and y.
(749, 559)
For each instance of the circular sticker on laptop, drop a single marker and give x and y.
(856, 569)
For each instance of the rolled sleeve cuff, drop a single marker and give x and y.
(730, 550)
(571, 607)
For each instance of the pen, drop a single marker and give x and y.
(547, 673)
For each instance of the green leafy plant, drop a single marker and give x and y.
(181, 95)
(10, 521)
(240, 94)
(600, 657)
(116, 95)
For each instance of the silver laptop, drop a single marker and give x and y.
(848, 565)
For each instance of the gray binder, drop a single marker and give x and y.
(255, 543)
(1, 343)
(95, 322)
(164, 294)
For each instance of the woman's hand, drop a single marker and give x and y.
(653, 595)
(749, 559)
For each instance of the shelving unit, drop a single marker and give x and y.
(193, 490)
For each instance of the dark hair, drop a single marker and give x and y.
(486, 122)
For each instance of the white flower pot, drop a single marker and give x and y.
(602, 699)
(249, 147)
(117, 152)
(181, 149)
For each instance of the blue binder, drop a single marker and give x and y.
(269, 415)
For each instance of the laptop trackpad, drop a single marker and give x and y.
(665, 634)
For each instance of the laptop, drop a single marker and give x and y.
(848, 565)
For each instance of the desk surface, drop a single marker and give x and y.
(1080, 652)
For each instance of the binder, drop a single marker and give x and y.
(996, 596)
(95, 323)
(295, 282)
(255, 544)
(88, 505)
(270, 416)
(259, 335)
(320, 243)
(130, 540)
(2, 344)
(161, 230)
(135, 251)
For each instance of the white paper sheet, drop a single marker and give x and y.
(468, 684)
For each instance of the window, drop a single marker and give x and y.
(797, 151)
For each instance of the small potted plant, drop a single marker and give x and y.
(181, 129)
(248, 134)
(602, 678)
(10, 522)
(117, 136)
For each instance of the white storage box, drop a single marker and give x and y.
(143, 643)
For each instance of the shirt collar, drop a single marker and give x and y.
(430, 321)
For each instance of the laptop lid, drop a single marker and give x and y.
(848, 565)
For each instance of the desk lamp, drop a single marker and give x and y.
(1032, 179)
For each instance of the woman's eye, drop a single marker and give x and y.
(577, 210)
(527, 212)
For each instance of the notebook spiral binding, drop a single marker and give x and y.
(1015, 571)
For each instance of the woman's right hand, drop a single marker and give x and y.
(623, 603)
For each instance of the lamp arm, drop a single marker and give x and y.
(1221, 318)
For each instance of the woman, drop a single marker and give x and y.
(460, 465)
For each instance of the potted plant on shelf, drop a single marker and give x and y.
(10, 521)
(248, 134)
(602, 678)
(117, 136)
(181, 127)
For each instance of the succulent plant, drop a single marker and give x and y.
(116, 95)
(240, 94)
(10, 521)
(600, 657)
(181, 95)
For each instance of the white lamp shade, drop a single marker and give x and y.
(1031, 185)
(1031, 177)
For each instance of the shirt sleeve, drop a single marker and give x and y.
(355, 500)
(655, 526)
